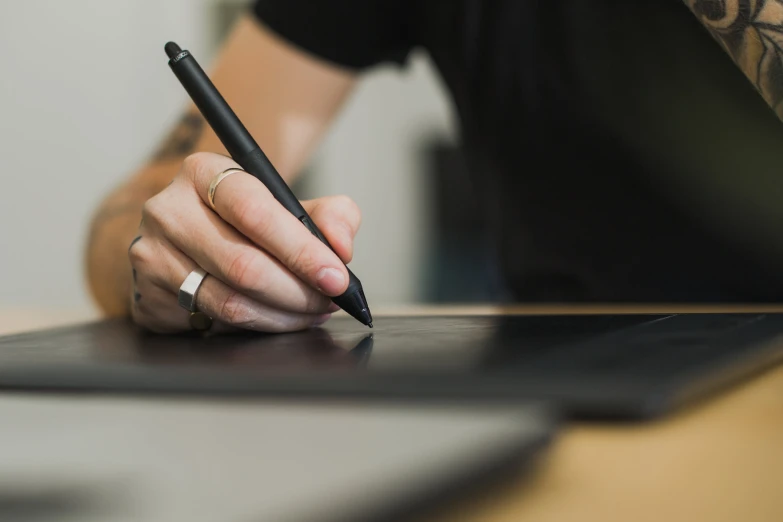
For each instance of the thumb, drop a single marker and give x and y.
(338, 218)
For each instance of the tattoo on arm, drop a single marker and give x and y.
(751, 32)
(183, 139)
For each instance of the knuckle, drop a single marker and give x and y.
(153, 210)
(301, 260)
(140, 256)
(145, 261)
(195, 165)
(242, 270)
(194, 162)
(253, 214)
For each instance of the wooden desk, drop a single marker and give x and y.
(719, 461)
(19, 319)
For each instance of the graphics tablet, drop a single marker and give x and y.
(597, 365)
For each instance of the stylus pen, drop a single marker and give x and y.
(245, 151)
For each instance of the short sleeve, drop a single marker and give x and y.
(355, 34)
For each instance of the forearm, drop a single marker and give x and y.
(751, 32)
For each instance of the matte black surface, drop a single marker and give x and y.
(606, 366)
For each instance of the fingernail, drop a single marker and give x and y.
(333, 308)
(330, 281)
(322, 319)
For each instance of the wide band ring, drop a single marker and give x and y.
(189, 289)
(213, 185)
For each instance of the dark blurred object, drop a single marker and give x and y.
(110, 459)
(29, 499)
(629, 366)
(461, 265)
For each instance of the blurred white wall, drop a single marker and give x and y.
(85, 93)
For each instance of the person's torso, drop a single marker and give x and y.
(622, 154)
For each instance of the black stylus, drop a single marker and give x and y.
(245, 151)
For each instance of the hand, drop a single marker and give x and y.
(266, 271)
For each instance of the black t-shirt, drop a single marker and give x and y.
(618, 148)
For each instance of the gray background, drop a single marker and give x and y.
(77, 117)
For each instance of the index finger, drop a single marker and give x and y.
(246, 204)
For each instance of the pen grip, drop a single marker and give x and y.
(257, 164)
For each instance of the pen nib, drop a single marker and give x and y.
(370, 325)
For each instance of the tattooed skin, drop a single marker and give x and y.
(183, 139)
(135, 240)
(136, 294)
(751, 32)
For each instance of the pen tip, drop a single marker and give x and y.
(370, 325)
(172, 49)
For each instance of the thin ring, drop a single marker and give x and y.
(189, 289)
(213, 185)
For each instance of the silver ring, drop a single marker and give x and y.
(189, 288)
